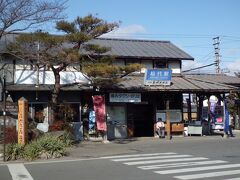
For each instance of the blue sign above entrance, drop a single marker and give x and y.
(158, 77)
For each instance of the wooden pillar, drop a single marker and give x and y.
(237, 121)
(155, 121)
(209, 113)
(168, 120)
(200, 106)
(22, 121)
(189, 108)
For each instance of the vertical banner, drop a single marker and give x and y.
(22, 121)
(212, 110)
(226, 118)
(100, 112)
(92, 121)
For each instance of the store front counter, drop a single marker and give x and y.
(195, 129)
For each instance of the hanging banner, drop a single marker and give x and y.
(212, 110)
(226, 119)
(100, 112)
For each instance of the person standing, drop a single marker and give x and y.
(160, 128)
(230, 127)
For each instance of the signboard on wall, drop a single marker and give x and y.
(125, 97)
(158, 77)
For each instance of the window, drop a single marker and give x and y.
(39, 112)
(68, 112)
(132, 61)
(160, 64)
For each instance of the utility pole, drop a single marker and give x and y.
(216, 43)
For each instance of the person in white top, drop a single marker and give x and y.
(160, 127)
(230, 133)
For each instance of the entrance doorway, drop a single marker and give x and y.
(140, 120)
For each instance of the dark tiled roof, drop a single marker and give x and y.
(136, 83)
(129, 48)
(221, 78)
(179, 83)
(9, 38)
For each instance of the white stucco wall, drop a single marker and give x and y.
(147, 64)
(175, 66)
(47, 77)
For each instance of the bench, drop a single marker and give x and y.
(176, 127)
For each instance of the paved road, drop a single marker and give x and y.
(151, 159)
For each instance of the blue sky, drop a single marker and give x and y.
(189, 24)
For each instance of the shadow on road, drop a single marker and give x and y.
(125, 141)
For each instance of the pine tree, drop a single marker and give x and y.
(57, 52)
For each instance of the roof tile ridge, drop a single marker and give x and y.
(208, 81)
(135, 40)
(186, 79)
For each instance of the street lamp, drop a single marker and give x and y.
(4, 117)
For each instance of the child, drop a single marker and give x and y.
(160, 128)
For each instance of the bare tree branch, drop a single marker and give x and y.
(20, 15)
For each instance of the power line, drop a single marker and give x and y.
(199, 67)
(206, 57)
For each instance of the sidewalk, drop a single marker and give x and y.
(96, 147)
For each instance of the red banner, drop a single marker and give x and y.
(100, 111)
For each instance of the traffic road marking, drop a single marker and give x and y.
(174, 171)
(136, 155)
(165, 160)
(208, 175)
(171, 165)
(19, 172)
(152, 157)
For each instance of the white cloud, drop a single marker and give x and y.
(126, 32)
(234, 67)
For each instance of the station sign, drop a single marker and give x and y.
(155, 77)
